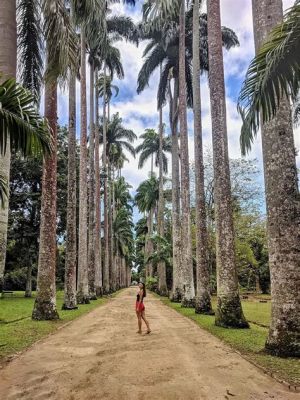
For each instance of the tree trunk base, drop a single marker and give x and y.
(284, 344)
(28, 294)
(99, 291)
(187, 303)
(176, 296)
(44, 311)
(69, 307)
(93, 296)
(229, 312)
(82, 299)
(163, 291)
(203, 305)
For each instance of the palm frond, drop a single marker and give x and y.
(3, 191)
(151, 63)
(30, 45)
(28, 132)
(273, 74)
(61, 38)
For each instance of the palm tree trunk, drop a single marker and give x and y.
(177, 288)
(45, 302)
(83, 284)
(187, 260)
(149, 244)
(98, 260)
(203, 302)
(106, 286)
(161, 268)
(8, 61)
(70, 301)
(229, 311)
(91, 225)
(283, 211)
(112, 281)
(115, 266)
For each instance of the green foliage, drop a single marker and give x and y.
(150, 148)
(24, 213)
(30, 45)
(19, 120)
(152, 284)
(272, 74)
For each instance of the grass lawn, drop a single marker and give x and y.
(18, 331)
(249, 342)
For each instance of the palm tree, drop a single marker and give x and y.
(146, 199)
(61, 46)
(164, 49)
(118, 138)
(8, 61)
(70, 299)
(98, 249)
(162, 278)
(229, 311)
(150, 147)
(186, 251)
(274, 80)
(203, 302)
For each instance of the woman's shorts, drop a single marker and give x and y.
(139, 306)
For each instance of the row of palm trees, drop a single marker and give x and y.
(182, 44)
(56, 42)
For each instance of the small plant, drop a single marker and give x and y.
(152, 284)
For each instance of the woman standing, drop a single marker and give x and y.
(140, 308)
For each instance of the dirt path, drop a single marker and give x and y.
(100, 356)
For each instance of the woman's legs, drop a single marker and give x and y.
(139, 316)
(145, 320)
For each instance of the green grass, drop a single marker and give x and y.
(249, 342)
(18, 335)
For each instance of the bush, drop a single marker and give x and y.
(152, 284)
(16, 280)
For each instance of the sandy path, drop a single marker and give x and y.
(99, 356)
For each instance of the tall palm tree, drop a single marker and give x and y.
(186, 236)
(203, 302)
(164, 49)
(229, 311)
(70, 299)
(118, 138)
(281, 72)
(8, 63)
(162, 278)
(61, 55)
(98, 249)
(150, 148)
(146, 199)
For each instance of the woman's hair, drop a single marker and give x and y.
(144, 289)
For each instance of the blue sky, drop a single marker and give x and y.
(139, 111)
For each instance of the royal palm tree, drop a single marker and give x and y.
(8, 62)
(146, 199)
(149, 148)
(203, 302)
(164, 49)
(276, 74)
(61, 55)
(117, 139)
(186, 251)
(70, 294)
(229, 310)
